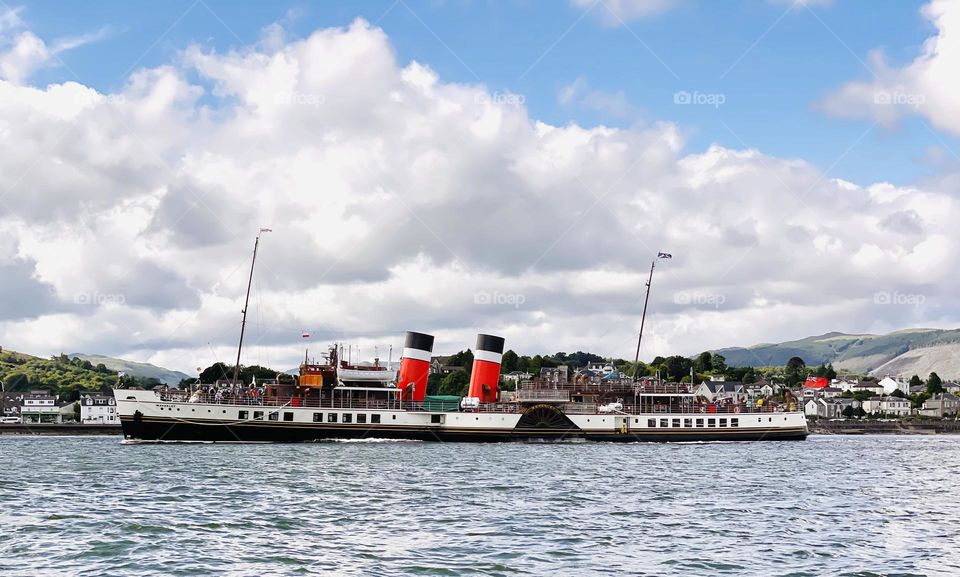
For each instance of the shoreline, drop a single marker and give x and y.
(851, 427)
(867, 427)
(65, 429)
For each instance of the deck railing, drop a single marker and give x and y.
(433, 406)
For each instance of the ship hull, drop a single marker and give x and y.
(147, 417)
(170, 430)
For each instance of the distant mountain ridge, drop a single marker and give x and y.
(905, 352)
(135, 369)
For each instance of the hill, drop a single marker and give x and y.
(134, 369)
(62, 375)
(907, 352)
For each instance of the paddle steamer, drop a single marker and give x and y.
(338, 400)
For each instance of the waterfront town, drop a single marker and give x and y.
(820, 397)
(891, 397)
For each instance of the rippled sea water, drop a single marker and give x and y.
(832, 505)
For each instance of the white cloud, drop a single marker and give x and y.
(616, 12)
(802, 3)
(401, 201)
(927, 86)
(580, 94)
(22, 52)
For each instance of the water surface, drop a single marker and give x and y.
(832, 505)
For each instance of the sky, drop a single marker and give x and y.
(456, 167)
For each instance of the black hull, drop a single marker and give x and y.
(246, 432)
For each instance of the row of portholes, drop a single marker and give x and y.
(191, 410)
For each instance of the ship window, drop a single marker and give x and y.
(274, 416)
(734, 422)
(651, 423)
(711, 422)
(361, 418)
(723, 422)
(663, 422)
(688, 423)
(331, 417)
(287, 416)
(258, 415)
(242, 414)
(394, 417)
(374, 418)
(436, 419)
(347, 418)
(318, 417)
(700, 422)
(676, 423)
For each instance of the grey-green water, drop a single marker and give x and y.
(871, 505)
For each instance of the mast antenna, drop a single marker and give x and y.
(643, 318)
(246, 305)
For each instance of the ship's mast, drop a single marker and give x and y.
(643, 318)
(246, 305)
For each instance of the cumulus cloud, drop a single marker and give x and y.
(401, 201)
(925, 87)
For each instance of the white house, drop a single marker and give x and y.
(98, 409)
(895, 406)
(887, 406)
(868, 386)
(830, 392)
(40, 407)
(872, 405)
(722, 390)
(844, 384)
(811, 408)
(891, 384)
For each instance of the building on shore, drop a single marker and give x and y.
(714, 391)
(98, 409)
(40, 407)
(893, 406)
(941, 405)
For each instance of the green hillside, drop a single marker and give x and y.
(138, 370)
(62, 375)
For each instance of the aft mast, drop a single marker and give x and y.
(643, 318)
(246, 305)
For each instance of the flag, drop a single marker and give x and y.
(664, 255)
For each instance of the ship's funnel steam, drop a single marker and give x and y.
(415, 366)
(485, 378)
